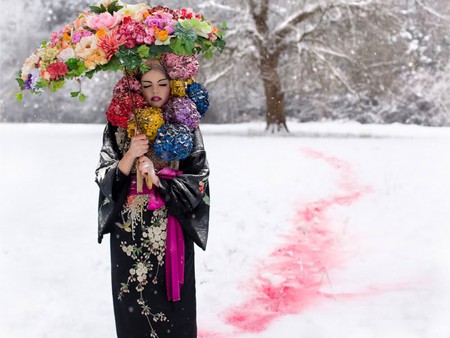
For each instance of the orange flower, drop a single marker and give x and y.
(100, 33)
(66, 37)
(161, 34)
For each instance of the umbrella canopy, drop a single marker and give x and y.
(114, 36)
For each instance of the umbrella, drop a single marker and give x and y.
(113, 36)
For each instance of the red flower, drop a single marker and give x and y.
(56, 70)
(120, 108)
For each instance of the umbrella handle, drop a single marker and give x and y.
(140, 180)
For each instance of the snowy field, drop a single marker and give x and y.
(336, 230)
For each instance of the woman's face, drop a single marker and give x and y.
(156, 88)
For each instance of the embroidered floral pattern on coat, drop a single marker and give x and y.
(151, 241)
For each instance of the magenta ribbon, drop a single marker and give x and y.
(174, 239)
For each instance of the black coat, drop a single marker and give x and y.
(182, 194)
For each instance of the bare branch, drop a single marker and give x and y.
(217, 76)
(334, 53)
(335, 72)
(214, 4)
(431, 11)
(295, 19)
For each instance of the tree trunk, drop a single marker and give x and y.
(275, 118)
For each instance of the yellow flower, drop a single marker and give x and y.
(149, 121)
(161, 34)
(178, 87)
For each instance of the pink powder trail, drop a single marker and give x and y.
(290, 279)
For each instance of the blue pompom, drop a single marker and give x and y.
(197, 93)
(173, 142)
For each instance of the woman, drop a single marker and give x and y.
(144, 272)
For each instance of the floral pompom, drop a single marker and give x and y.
(120, 108)
(182, 110)
(173, 142)
(178, 87)
(199, 95)
(180, 66)
(149, 120)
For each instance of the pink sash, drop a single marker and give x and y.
(174, 241)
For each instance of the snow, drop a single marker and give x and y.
(378, 194)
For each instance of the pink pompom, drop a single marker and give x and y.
(181, 67)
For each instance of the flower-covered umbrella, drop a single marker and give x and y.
(113, 36)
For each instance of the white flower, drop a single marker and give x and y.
(132, 271)
(106, 3)
(141, 269)
(136, 12)
(66, 54)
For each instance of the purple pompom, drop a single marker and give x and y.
(182, 110)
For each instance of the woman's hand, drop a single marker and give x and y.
(146, 167)
(139, 147)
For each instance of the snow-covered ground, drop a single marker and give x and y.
(336, 230)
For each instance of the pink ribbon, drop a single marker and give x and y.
(174, 259)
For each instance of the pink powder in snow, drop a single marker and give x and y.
(290, 280)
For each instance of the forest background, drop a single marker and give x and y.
(373, 61)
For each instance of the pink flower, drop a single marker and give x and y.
(162, 21)
(111, 43)
(134, 32)
(55, 38)
(187, 13)
(103, 21)
(78, 35)
(180, 66)
(56, 70)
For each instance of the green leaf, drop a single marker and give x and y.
(74, 94)
(20, 81)
(82, 97)
(114, 7)
(208, 54)
(219, 44)
(206, 199)
(90, 74)
(143, 51)
(76, 68)
(54, 86)
(144, 68)
(19, 97)
(129, 57)
(72, 64)
(158, 50)
(182, 45)
(224, 25)
(42, 84)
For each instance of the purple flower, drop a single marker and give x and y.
(32, 80)
(182, 110)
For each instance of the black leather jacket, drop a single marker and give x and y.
(182, 194)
